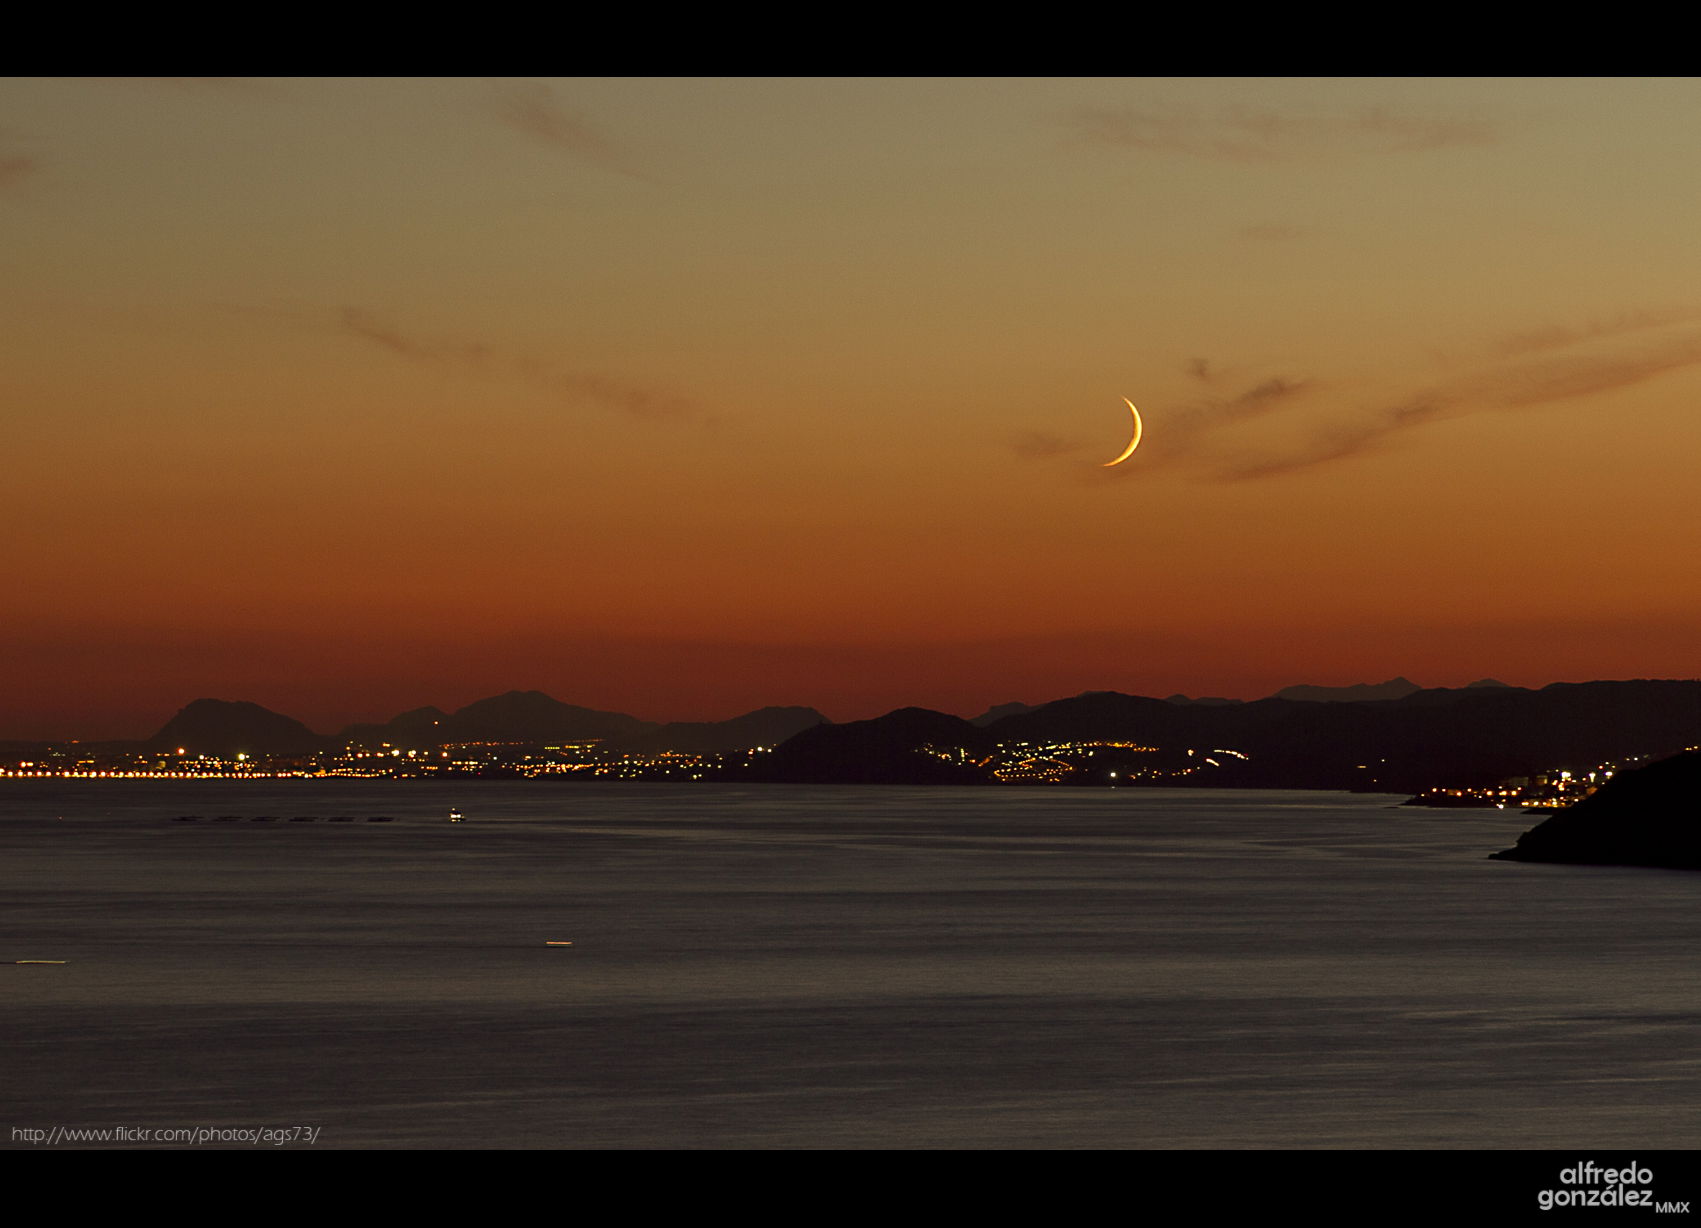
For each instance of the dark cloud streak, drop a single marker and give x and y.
(1555, 365)
(1585, 375)
(1338, 443)
(1183, 430)
(1560, 337)
(14, 170)
(478, 358)
(364, 324)
(1261, 399)
(1499, 389)
(531, 108)
(1262, 134)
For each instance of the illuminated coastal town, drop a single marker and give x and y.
(1016, 763)
(1549, 791)
(1107, 764)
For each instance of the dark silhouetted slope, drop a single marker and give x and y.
(891, 749)
(1477, 735)
(1647, 817)
(415, 729)
(532, 716)
(1394, 688)
(763, 727)
(226, 728)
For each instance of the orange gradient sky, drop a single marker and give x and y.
(682, 397)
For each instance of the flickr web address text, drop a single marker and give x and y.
(192, 1136)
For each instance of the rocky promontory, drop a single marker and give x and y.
(1650, 816)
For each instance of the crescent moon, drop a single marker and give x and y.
(1132, 443)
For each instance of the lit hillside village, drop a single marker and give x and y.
(1549, 791)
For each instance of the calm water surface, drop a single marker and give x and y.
(798, 967)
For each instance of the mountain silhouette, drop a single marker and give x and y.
(1465, 736)
(417, 729)
(1394, 688)
(227, 728)
(532, 716)
(998, 712)
(763, 727)
(1469, 736)
(890, 749)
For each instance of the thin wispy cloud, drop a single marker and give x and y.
(1575, 363)
(1266, 134)
(1184, 429)
(1193, 422)
(368, 326)
(478, 358)
(610, 391)
(1205, 438)
(1188, 435)
(15, 165)
(532, 109)
(1335, 443)
(15, 168)
(1568, 375)
(1555, 336)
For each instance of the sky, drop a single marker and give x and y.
(682, 397)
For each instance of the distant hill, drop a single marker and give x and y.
(416, 729)
(532, 716)
(1394, 688)
(1467, 736)
(1099, 714)
(890, 749)
(763, 727)
(998, 712)
(226, 728)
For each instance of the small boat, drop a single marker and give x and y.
(455, 816)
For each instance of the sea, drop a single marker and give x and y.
(656, 966)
